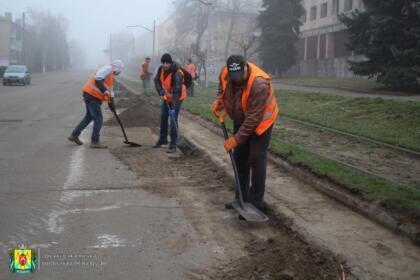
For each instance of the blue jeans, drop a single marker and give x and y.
(93, 112)
(164, 116)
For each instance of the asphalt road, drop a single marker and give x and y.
(76, 207)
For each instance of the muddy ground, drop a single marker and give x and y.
(246, 251)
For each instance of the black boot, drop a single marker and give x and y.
(159, 144)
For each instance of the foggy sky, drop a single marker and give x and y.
(91, 21)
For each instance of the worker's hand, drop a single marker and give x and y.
(111, 104)
(230, 144)
(107, 95)
(218, 110)
(172, 112)
(162, 93)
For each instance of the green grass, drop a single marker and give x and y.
(390, 121)
(369, 186)
(342, 113)
(349, 84)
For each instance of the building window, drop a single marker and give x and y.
(348, 5)
(324, 10)
(304, 16)
(342, 38)
(313, 13)
(322, 46)
(312, 47)
(335, 7)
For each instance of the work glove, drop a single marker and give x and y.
(162, 93)
(218, 109)
(230, 144)
(111, 104)
(107, 95)
(172, 112)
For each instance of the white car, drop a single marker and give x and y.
(16, 74)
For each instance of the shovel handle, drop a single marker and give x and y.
(235, 169)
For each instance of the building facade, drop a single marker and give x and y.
(322, 45)
(11, 40)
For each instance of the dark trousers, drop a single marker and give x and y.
(93, 113)
(251, 160)
(164, 117)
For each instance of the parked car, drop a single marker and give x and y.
(16, 74)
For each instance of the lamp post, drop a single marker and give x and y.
(151, 30)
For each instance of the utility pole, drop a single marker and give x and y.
(134, 46)
(23, 39)
(110, 47)
(208, 44)
(154, 38)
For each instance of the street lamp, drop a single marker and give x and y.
(151, 30)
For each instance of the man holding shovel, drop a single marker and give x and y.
(98, 88)
(169, 83)
(247, 96)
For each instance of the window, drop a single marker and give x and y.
(304, 16)
(324, 10)
(335, 7)
(348, 5)
(313, 13)
(312, 47)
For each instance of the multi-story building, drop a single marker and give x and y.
(11, 40)
(322, 46)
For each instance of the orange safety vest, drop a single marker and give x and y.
(271, 109)
(191, 69)
(91, 88)
(166, 84)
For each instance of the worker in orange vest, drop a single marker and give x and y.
(247, 96)
(145, 74)
(169, 83)
(98, 89)
(190, 67)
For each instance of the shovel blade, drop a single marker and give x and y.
(132, 144)
(186, 147)
(250, 212)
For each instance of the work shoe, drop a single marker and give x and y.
(159, 144)
(75, 139)
(98, 145)
(171, 150)
(229, 206)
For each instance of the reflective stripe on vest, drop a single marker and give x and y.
(271, 109)
(166, 84)
(91, 88)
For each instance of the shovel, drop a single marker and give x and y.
(186, 147)
(131, 144)
(245, 209)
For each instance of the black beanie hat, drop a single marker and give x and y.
(166, 58)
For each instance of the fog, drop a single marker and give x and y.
(91, 22)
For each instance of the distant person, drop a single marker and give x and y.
(247, 96)
(98, 88)
(169, 83)
(145, 74)
(191, 68)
